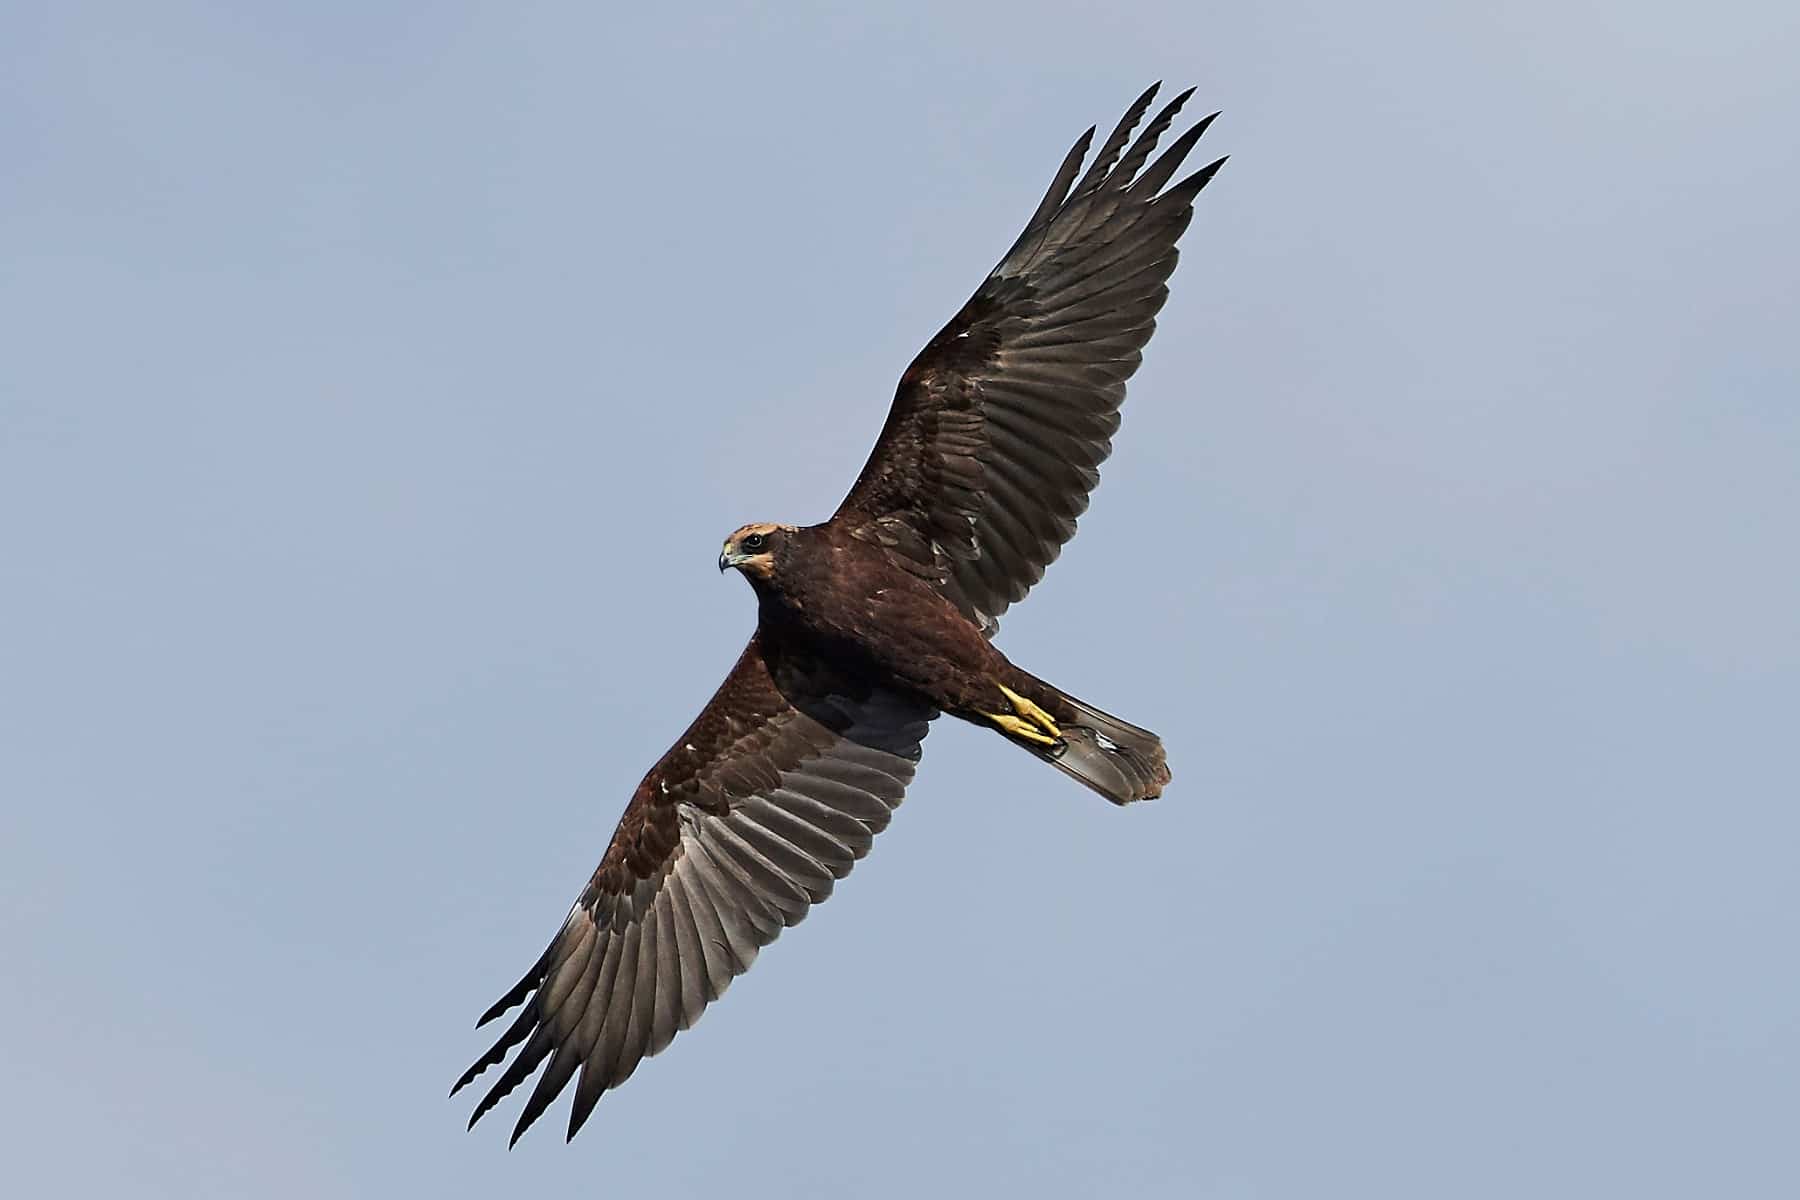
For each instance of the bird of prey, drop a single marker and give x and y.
(868, 627)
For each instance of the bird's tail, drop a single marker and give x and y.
(1113, 757)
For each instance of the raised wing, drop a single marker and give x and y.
(1000, 424)
(777, 788)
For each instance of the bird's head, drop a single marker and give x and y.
(753, 548)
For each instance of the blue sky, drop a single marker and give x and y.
(380, 382)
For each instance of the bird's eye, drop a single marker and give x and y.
(755, 541)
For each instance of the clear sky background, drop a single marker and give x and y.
(378, 383)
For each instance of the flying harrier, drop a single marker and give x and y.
(868, 627)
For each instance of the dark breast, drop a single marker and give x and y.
(846, 596)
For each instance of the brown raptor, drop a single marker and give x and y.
(868, 626)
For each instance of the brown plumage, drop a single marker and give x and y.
(868, 626)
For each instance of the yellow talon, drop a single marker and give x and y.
(1020, 728)
(1032, 713)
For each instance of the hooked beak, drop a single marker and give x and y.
(729, 557)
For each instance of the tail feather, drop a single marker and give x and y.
(1113, 757)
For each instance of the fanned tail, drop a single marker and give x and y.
(1119, 760)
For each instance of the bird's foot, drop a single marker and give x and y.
(1032, 713)
(1021, 728)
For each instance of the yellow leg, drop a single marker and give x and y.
(1020, 728)
(1032, 713)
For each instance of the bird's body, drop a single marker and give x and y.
(827, 590)
(823, 590)
(869, 625)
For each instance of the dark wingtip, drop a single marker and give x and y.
(486, 1106)
(509, 1001)
(1138, 108)
(526, 1120)
(578, 1115)
(495, 1095)
(515, 995)
(1191, 186)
